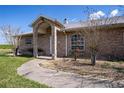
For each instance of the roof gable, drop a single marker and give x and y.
(52, 20)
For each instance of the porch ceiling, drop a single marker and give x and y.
(43, 28)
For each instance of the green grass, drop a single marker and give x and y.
(8, 73)
(5, 46)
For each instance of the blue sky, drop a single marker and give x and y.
(22, 16)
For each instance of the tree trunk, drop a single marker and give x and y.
(16, 51)
(75, 56)
(93, 58)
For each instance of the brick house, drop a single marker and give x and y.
(52, 38)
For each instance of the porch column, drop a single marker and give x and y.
(35, 39)
(66, 45)
(54, 42)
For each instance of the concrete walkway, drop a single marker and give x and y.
(52, 78)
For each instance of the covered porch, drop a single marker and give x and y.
(49, 28)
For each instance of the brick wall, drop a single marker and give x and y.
(111, 43)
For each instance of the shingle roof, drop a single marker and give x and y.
(47, 18)
(80, 24)
(108, 21)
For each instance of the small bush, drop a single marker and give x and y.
(118, 69)
(115, 58)
(31, 50)
(106, 65)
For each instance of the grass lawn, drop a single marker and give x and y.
(5, 46)
(8, 75)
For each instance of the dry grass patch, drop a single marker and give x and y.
(102, 69)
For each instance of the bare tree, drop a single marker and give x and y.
(91, 29)
(12, 36)
(76, 50)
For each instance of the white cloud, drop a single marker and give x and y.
(73, 20)
(114, 13)
(97, 15)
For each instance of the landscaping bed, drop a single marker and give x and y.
(103, 69)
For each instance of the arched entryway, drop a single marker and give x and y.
(49, 27)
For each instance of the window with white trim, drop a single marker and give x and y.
(77, 42)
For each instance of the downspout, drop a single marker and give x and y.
(66, 44)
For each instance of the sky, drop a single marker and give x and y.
(23, 16)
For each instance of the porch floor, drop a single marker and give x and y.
(50, 58)
(45, 57)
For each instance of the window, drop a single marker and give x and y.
(77, 42)
(28, 41)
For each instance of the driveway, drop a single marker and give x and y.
(52, 78)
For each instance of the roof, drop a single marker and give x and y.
(99, 22)
(24, 34)
(53, 20)
(74, 25)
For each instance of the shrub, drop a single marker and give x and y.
(118, 69)
(106, 65)
(31, 50)
(115, 58)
